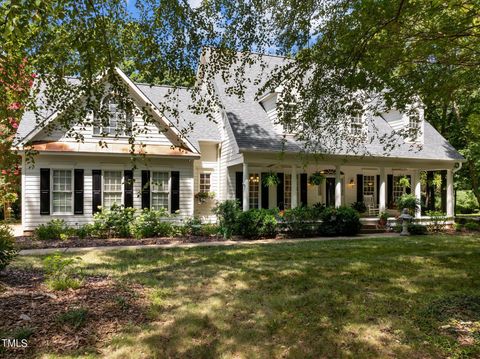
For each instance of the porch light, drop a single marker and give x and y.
(351, 183)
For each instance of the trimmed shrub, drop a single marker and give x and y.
(408, 201)
(360, 207)
(343, 221)
(257, 223)
(114, 222)
(228, 213)
(147, 224)
(53, 230)
(193, 226)
(7, 246)
(60, 272)
(165, 229)
(472, 226)
(417, 229)
(301, 221)
(209, 229)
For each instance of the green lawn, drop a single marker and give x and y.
(397, 297)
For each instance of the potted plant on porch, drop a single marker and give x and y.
(382, 219)
(203, 196)
(316, 179)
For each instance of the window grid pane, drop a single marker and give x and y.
(62, 191)
(119, 123)
(112, 188)
(253, 189)
(160, 190)
(204, 182)
(368, 185)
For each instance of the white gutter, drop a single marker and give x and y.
(455, 170)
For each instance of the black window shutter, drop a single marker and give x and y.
(44, 191)
(408, 190)
(303, 189)
(145, 189)
(390, 203)
(78, 184)
(96, 190)
(359, 188)
(280, 192)
(265, 190)
(128, 188)
(378, 190)
(175, 192)
(239, 188)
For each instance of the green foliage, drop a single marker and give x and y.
(228, 213)
(149, 223)
(472, 226)
(113, 222)
(438, 221)
(466, 202)
(60, 272)
(193, 226)
(417, 229)
(458, 227)
(360, 207)
(53, 230)
(316, 179)
(404, 182)
(408, 201)
(270, 179)
(84, 231)
(209, 230)
(167, 229)
(258, 223)
(301, 221)
(343, 221)
(7, 246)
(383, 216)
(74, 318)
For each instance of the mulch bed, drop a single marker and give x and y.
(32, 243)
(26, 303)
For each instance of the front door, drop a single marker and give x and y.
(330, 191)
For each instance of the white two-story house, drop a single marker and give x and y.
(229, 157)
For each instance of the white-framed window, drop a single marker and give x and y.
(62, 191)
(288, 191)
(160, 190)
(413, 128)
(112, 188)
(398, 189)
(253, 190)
(119, 122)
(356, 125)
(205, 183)
(369, 185)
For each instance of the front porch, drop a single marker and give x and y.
(375, 182)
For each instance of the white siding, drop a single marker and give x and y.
(31, 178)
(270, 106)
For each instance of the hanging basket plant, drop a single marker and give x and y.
(404, 182)
(270, 179)
(316, 179)
(203, 196)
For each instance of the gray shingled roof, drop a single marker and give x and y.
(254, 131)
(196, 127)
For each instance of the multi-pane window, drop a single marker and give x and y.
(253, 190)
(369, 185)
(356, 125)
(160, 190)
(119, 122)
(398, 189)
(112, 188)
(62, 191)
(413, 128)
(205, 182)
(288, 191)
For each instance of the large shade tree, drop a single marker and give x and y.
(401, 52)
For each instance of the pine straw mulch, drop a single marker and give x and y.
(27, 305)
(24, 242)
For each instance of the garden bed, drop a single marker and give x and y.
(61, 322)
(75, 242)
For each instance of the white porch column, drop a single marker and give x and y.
(418, 194)
(246, 198)
(450, 194)
(382, 199)
(338, 187)
(294, 187)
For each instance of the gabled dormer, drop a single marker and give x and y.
(409, 124)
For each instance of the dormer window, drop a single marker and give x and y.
(356, 124)
(413, 128)
(119, 122)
